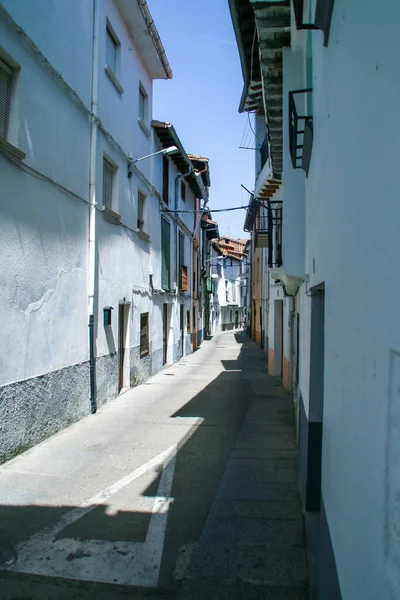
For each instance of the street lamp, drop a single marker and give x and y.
(169, 150)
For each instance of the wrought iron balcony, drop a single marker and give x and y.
(274, 212)
(261, 231)
(300, 133)
(322, 19)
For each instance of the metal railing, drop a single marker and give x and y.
(322, 20)
(274, 209)
(300, 133)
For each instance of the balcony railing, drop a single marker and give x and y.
(274, 211)
(322, 19)
(261, 231)
(300, 133)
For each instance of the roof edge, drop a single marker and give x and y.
(155, 36)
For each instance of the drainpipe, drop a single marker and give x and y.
(92, 206)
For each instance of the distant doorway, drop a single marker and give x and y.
(278, 338)
(123, 377)
(165, 333)
(182, 327)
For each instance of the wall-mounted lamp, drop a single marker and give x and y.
(107, 315)
(169, 150)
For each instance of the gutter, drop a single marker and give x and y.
(155, 36)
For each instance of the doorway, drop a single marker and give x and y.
(182, 327)
(278, 338)
(165, 333)
(194, 330)
(123, 365)
(311, 424)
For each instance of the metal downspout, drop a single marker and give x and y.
(92, 208)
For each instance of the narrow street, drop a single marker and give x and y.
(183, 487)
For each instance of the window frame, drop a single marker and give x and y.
(165, 254)
(112, 36)
(113, 71)
(141, 199)
(107, 164)
(144, 348)
(8, 70)
(143, 95)
(165, 187)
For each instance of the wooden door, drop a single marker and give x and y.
(165, 333)
(121, 344)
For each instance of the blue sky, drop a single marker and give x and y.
(202, 99)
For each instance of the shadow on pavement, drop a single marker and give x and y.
(234, 528)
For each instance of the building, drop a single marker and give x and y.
(97, 259)
(227, 298)
(318, 73)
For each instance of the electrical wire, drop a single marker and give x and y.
(212, 210)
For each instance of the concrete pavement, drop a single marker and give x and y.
(184, 487)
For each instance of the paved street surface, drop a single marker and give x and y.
(185, 487)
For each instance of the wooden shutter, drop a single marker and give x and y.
(5, 98)
(165, 253)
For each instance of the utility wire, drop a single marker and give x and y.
(212, 210)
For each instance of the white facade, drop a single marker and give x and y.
(340, 233)
(74, 239)
(228, 299)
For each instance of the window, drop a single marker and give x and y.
(165, 190)
(188, 321)
(142, 103)
(165, 253)
(140, 219)
(183, 190)
(111, 50)
(5, 98)
(233, 291)
(183, 274)
(108, 177)
(144, 334)
(231, 319)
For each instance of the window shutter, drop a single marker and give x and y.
(166, 254)
(5, 98)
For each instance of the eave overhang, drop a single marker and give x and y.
(272, 22)
(144, 32)
(168, 137)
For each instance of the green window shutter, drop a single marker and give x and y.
(165, 253)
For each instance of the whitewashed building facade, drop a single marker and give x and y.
(328, 73)
(86, 313)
